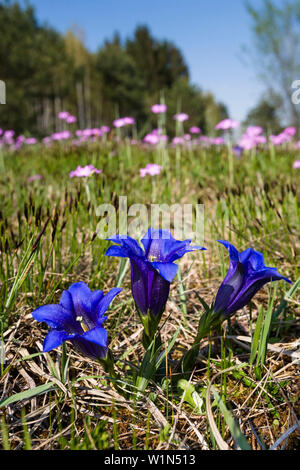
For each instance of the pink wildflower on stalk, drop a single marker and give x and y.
(97, 132)
(159, 108)
(280, 139)
(195, 130)
(254, 131)
(105, 129)
(151, 169)
(123, 121)
(63, 115)
(128, 120)
(34, 178)
(290, 131)
(181, 117)
(227, 124)
(85, 171)
(296, 164)
(31, 141)
(178, 140)
(152, 139)
(218, 141)
(71, 119)
(8, 135)
(119, 123)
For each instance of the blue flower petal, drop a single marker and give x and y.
(66, 301)
(97, 335)
(56, 317)
(82, 296)
(233, 252)
(105, 302)
(130, 247)
(167, 270)
(54, 339)
(117, 251)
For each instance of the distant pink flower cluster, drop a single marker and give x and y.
(283, 137)
(95, 132)
(123, 121)
(159, 108)
(151, 169)
(218, 141)
(178, 140)
(30, 141)
(181, 117)
(85, 171)
(65, 116)
(227, 124)
(155, 137)
(64, 135)
(252, 137)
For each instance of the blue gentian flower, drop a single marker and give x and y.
(78, 318)
(152, 268)
(246, 276)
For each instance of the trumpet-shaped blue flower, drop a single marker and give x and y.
(247, 274)
(79, 318)
(152, 268)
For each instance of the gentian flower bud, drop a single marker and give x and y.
(246, 276)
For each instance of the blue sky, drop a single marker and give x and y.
(210, 33)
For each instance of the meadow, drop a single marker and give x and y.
(242, 391)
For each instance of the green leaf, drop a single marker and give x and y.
(232, 424)
(32, 392)
(188, 391)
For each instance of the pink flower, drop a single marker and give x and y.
(82, 172)
(61, 135)
(280, 139)
(291, 131)
(96, 131)
(105, 129)
(8, 135)
(159, 108)
(71, 119)
(63, 115)
(227, 124)
(254, 131)
(246, 142)
(181, 117)
(260, 139)
(218, 141)
(151, 169)
(123, 121)
(128, 120)
(31, 141)
(178, 140)
(34, 178)
(296, 164)
(151, 139)
(119, 123)
(195, 130)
